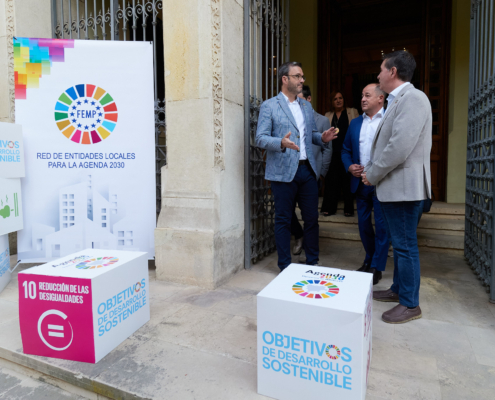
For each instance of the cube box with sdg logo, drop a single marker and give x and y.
(314, 334)
(82, 306)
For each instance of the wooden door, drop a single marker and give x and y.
(423, 27)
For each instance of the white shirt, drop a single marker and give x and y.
(367, 134)
(393, 94)
(297, 113)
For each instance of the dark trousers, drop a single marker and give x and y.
(375, 241)
(401, 219)
(337, 180)
(295, 226)
(304, 190)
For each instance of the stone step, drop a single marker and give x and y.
(428, 221)
(438, 207)
(436, 222)
(433, 239)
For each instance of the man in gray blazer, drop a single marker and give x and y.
(400, 170)
(323, 157)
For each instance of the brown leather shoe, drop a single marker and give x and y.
(400, 314)
(385, 295)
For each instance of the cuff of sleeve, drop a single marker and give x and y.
(370, 178)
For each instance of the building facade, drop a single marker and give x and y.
(215, 62)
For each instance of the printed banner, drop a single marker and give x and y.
(10, 206)
(11, 151)
(4, 262)
(87, 112)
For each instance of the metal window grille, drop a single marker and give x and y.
(133, 20)
(266, 45)
(480, 170)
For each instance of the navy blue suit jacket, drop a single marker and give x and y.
(350, 149)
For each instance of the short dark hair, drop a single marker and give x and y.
(284, 69)
(379, 91)
(306, 91)
(403, 61)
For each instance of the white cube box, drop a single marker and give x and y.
(82, 306)
(4, 262)
(314, 334)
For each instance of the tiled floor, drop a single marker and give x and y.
(201, 344)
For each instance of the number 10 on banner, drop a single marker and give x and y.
(29, 289)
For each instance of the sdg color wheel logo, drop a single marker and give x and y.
(315, 289)
(86, 114)
(98, 262)
(332, 352)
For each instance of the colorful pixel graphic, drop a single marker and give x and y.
(315, 289)
(99, 262)
(330, 355)
(86, 114)
(33, 58)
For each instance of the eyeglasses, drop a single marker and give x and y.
(299, 77)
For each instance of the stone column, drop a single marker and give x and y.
(200, 234)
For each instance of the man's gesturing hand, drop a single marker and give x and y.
(365, 180)
(329, 135)
(356, 170)
(287, 143)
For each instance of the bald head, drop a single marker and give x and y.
(372, 99)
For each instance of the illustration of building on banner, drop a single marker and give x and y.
(87, 219)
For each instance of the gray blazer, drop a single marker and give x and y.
(323, 156)
(275, 120)
(400, 153)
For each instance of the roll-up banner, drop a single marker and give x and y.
(87, 114)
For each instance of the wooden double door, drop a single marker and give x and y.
(353, 36)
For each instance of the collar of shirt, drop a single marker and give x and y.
(379, 114)
(290, 102)
(393, 94)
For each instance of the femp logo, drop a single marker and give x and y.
(308, 359)
(86, 114)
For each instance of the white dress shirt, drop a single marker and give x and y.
(393, 94)
(297, 113)
(367, 134)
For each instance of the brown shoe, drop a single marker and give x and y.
(400, 314)
(385, 295)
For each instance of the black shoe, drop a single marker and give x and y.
(364, 268)
(377, 275)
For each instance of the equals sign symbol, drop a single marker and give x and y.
(55, 328)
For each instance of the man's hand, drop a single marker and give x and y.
(329, 135)
(287, 143)
(356, 170)
(365, 180)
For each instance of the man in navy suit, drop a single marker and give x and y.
(287, 130)
(355, 155)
